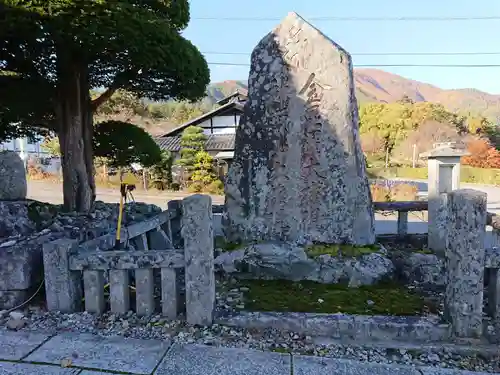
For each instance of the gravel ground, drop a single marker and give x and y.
(230, 299)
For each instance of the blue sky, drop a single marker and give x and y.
(362, 37)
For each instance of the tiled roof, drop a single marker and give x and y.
(215, 142)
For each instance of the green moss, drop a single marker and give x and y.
(281, 350)
(308, 296)
(424, 251)
(220, 243)
(349, 251)
(40, 212)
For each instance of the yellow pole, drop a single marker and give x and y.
(123, 195)
(119, 226)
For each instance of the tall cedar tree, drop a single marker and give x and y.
(54, 52)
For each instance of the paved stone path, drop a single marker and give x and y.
(30, 353)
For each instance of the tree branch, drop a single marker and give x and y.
(96, 103)
(117, 84)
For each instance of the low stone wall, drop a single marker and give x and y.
(150, 248)
(28, 225)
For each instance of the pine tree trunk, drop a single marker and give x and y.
(75, 138)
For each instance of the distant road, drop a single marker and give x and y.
(52, 193)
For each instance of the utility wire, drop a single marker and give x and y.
(381, 53)
(355, 19)
(390, 65)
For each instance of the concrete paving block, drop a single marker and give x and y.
(16, 345)
(442, 371)
(304, 365)
(9, 368)
(207, 360)
(103, 353)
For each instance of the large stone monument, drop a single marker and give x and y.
(298, 173)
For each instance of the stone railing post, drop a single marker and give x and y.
(197, 232)
(63, 287)
(174, 207)
(465, 253)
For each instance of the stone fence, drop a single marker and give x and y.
(151, 245)
(182, 238)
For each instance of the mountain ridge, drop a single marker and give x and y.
(374, 85)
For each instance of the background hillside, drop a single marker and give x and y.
(374, 85)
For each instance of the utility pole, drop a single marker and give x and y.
(414, 157)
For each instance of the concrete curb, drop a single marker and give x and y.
(355, 327)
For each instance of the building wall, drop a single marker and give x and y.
(221, 124)
(25, 146)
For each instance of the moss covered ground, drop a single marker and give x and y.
(313, 297)
(348, 251)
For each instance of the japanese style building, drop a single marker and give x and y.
(220, 127)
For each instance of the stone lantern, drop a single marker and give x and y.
(443, 163)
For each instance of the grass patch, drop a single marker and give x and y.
(348, 251)
(312, 297)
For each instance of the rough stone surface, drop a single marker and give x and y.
(13, 184)
(298, 173)
(23, 236)
(426, 270)
(14, 219)
(303, 365)
(197, 232)
(203, 360)
(290, 262)
(16, 345)
(110, 353)
(29, 369)
(466, 228)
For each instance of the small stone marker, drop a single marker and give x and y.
(465, 234)
(299, 172)
(197, 233)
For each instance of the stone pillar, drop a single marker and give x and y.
(465, 253)
(63, 287)
(175, 210)
(197, 232)
(443, 163)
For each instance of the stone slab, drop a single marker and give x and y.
(16, 345)
(442, 371)
(85, 372)
(357, 327)
(206, 360)
(304, 365)
(8, 368)
(106, 353)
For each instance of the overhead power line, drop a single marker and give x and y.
(356, 19)
(381, 53)
(391, 65)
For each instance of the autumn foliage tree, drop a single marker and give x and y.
(63, 49)
(482, 154)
